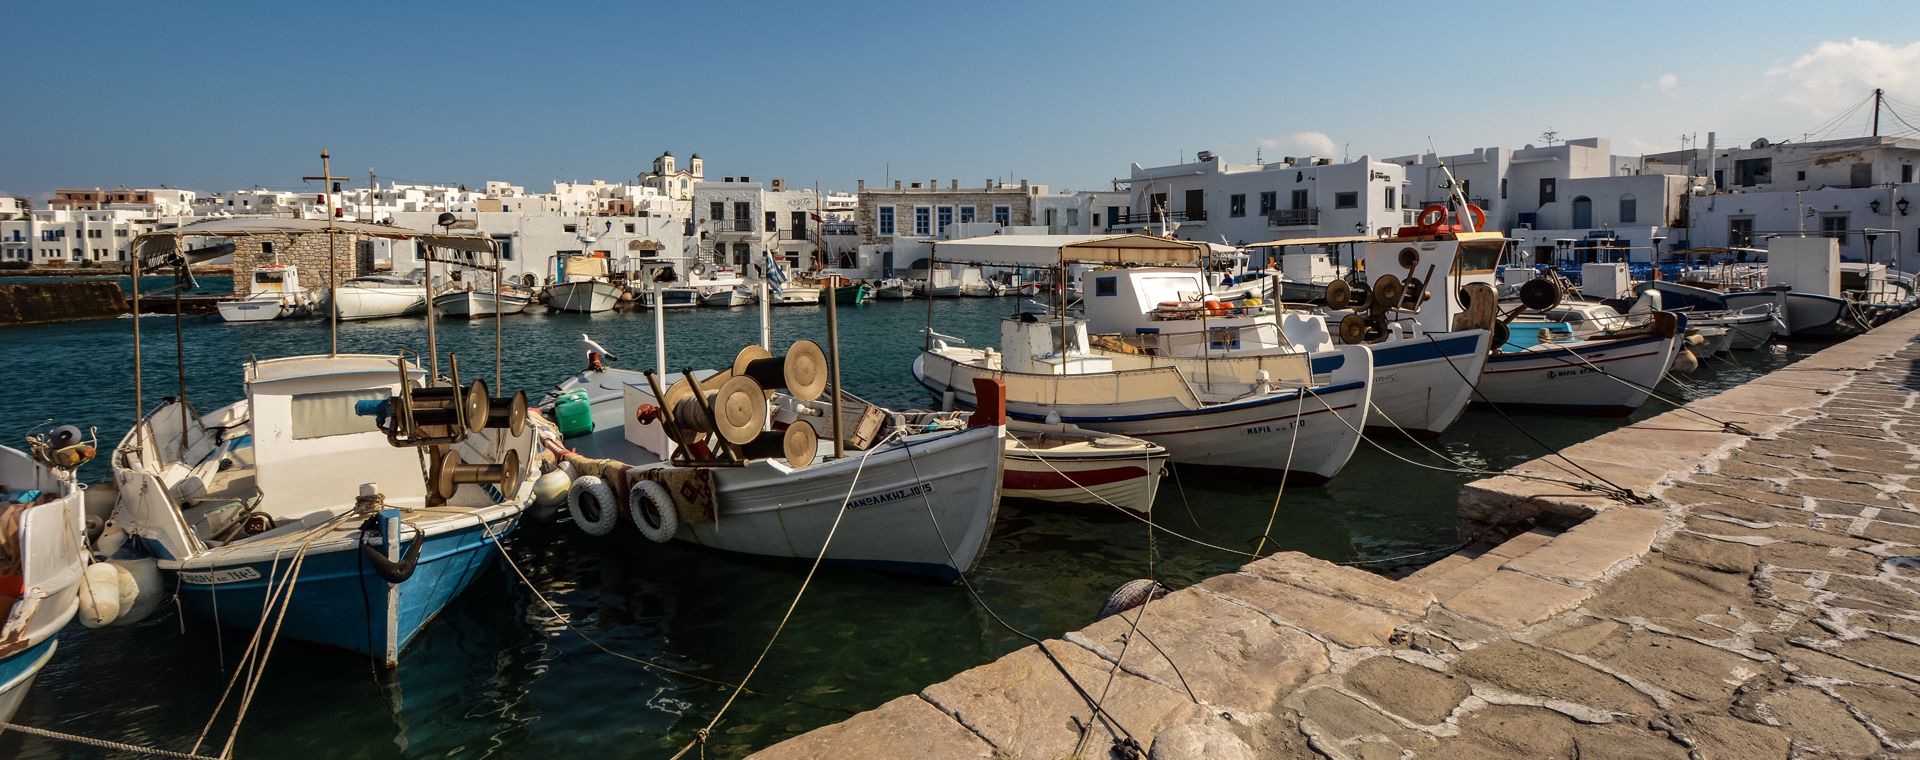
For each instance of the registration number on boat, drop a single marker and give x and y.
(896, 494)
(216, 577)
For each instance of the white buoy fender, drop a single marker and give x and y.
(110, 541)
(1686, 361)
(593, 506)
(99, 595)
(141, 589)
(550, 490)
(653, 511)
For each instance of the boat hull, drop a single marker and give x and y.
(473, 304)
(728, 298)
(1422, 384)
(17, 674)
(337, 600)
(258, 310)
(768, 510)
(1578, 378)
(1127, 480)
(1803, 315)
(583, 297)
(353, 303)
(1297, 436)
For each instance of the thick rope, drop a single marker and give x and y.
(132, 749)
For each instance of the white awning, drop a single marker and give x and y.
(160, 241)
(1054, 250)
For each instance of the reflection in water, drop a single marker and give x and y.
(498, 675)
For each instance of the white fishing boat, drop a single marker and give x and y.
(727, 297)
(672, 297)
(476, 303)
(915, 501)
(1072, 465)
(1295, 415)
(379, 296)
(276, 294)
(1746, 330)
(752, 459)
(581, 284)
(893, 289)
(344, 498)
(42, 556)
(1424, 367)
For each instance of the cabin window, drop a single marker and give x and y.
(1479, 256)
(330, 413)
(1346, 200)
(1106, 286)
(1223, 338)
(886, 220)
(270, 278)
(1237, 205)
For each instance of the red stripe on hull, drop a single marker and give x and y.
(1048, 480)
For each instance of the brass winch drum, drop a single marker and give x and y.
(1339, 294)
(1409, 258)
(797, 445)
(740, 410)
(1387, 292)
(1539, 295)
(802, 371)
(449, 473)
(508, 412)
(442, 405)
(1353, 329)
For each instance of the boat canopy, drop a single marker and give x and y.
(160, 242)
(1315, 241)
(1056, 250)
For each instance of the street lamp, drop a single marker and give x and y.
(1901, 206)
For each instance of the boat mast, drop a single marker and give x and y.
(326, 180)
(833, 326)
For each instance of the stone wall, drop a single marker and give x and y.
(37, 302)
(904, 200)
(308, 252)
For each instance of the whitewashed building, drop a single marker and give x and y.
(1082, 212)
(1860, 190)
(1215, 201)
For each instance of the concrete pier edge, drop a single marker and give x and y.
(1760, 603)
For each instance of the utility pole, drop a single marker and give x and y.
(1878, 96)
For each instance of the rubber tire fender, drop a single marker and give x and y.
(638, 497)
(605, 507)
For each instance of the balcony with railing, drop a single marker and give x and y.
(1123, 218)
(1293, 217)
(799, 233)
(731, 227)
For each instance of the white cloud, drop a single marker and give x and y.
(1301, 143)
(1666, 82)
(1836, 75)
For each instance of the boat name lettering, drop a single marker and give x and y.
(1274, 427)
(215, 577)
(894, 495)
(1568, 372)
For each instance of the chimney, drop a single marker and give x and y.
(1023, 185)
(988, 184)
(896, 184)
(860, 186)
(955, 184)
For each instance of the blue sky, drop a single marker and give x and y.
(215, 96)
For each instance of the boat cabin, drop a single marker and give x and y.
(311, 449)
(1169, 311)
(278, 279)
(1446, 260)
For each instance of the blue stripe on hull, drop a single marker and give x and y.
(19, 666)
(339, 601)
(1411, 353)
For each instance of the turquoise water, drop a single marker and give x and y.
(499, 676)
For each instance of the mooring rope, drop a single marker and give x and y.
(133, 749)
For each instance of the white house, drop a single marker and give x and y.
(1212, 200)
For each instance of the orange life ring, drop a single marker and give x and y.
(1432, 216)
(1479, 217)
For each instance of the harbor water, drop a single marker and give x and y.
(501, 675)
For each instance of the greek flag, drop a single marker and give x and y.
(776, 275)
